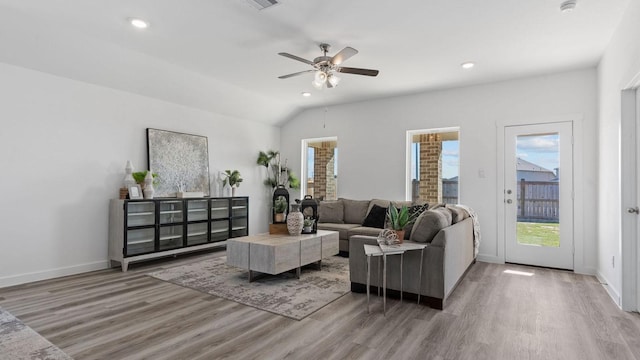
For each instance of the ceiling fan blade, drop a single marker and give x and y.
(296, 58)
(295, 74)
(343, 55)
(357, 71)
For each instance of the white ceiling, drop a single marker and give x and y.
(221, 55)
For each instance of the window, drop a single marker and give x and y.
(320, 166)
(434, 165)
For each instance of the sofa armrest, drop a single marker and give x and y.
(457, 240)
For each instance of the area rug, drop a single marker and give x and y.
(18, 341)
(282, 294)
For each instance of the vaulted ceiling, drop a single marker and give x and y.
(221, 55)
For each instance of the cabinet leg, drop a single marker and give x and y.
(125, 265)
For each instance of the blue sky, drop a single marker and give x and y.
(542, 150)
(450, 159)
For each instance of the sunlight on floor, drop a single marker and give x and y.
(515, 272)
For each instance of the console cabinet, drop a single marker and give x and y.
(148, 229)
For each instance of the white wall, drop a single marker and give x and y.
(619, 65)
(371, 138)
(63, 148)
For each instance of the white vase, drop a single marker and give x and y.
(233, 191)
(226, 190)
(148, 186)
(128, 180)
(295, 220)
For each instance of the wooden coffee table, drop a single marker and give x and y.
(275, 254)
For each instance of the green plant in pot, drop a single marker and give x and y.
(280, 206)
(307, 225)
(139, 176)
(233, 178)
(277, 174)
(399, 219)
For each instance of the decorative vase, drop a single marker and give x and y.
(295, 220)
(400, 235)
(226, 190)
(128, 180)
(233, 191)
(307, 229)
(148, 186)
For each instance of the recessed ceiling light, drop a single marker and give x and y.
(306, 94)
(568, 6)
(467, 65)
(139, 23)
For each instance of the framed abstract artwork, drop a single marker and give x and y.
(181, 162)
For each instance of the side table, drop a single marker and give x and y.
(382, 251)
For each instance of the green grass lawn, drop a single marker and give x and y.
(543, 234)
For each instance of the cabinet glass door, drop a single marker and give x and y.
(140, 213)
(197, 210)
(219, 230)
(219, 208)
(197, 233)
(239, 207)
(239, 227)
(171, 237)
(139, 241)
(171, 212)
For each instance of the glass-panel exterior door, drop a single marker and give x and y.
(538, 195)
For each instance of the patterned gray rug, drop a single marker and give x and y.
(281, 294)
(18, 341)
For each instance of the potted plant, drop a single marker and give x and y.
(308, 225)
(139, 176)
(399, 219)
(276, 173)
(280, 206)
(233, 178)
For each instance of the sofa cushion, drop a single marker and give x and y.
(457, 214)
(447, 213)
(355, 210)
(376, 217)
(379, 202)
(342, 229)
(363, 230)
(400, 204)
(331, 212)
(414, 212)
(427, 226)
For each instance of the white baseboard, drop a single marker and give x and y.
(53, 273)
(613, 293)
(585, 271)
(490, 259)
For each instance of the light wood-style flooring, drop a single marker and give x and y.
(491, 315)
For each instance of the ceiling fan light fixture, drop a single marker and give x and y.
(317, 85)
(333, 80)
(320, 77)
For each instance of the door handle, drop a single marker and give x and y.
(633, 210)
(509, 201)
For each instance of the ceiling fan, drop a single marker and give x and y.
(325, 67)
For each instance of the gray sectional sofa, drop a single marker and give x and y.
(347, 216)
(448, 231)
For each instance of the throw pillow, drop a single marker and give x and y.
(414, 212)
(457, 214)
(447, 213)
(331, 212)
(428, 225)
(355, 210)
(379, 202)
(376, 217)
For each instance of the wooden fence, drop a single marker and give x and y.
(538, 201)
